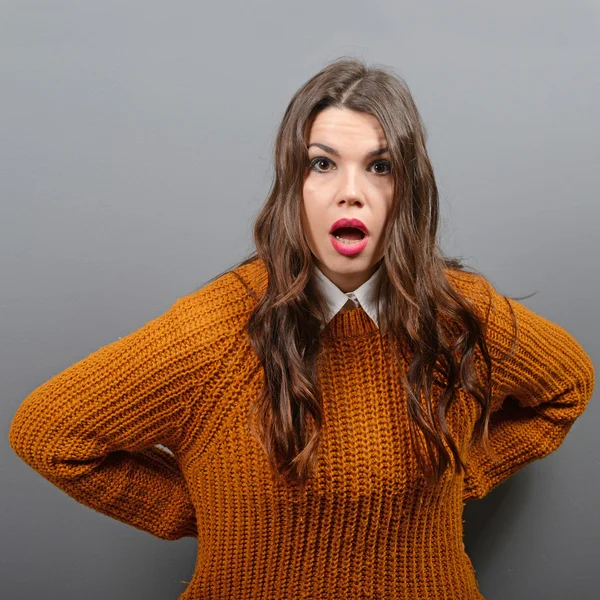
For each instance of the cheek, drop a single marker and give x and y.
(310, 206)
(307, 220)
(309, 192)
(388, 199)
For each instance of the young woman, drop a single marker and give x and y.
(318, 415)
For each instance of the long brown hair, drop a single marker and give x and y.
(284, 327)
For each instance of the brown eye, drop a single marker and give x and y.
(319, 160)
(385, 164)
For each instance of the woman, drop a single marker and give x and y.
(324, 409)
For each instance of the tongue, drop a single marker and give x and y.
(349, 233)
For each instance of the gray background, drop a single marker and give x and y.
(136, 150)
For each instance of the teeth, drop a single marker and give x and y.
(345, 241)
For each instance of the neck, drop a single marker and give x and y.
(347, 282)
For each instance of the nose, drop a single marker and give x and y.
(351, 186)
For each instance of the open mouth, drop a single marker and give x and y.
(348, 235)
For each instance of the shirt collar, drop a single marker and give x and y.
(364, 296)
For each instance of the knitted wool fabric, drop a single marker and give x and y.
(367, 525)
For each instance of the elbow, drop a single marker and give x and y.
(21, 437)
(30, 438)
(582, 384)
(580, 379)
(585, 381)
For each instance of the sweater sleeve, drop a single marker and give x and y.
(538, 391)
(93, 429)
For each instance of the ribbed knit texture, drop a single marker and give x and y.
(367, 525)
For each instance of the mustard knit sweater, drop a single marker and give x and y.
(367, 525)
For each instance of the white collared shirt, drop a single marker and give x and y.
(364, 296)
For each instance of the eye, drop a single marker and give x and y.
(383, 163)
(316, 161)
(323, 160)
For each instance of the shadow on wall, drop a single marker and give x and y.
(487, 522)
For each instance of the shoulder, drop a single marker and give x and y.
(222, 306)
(498, 312)
(473, 287)
(253, 275)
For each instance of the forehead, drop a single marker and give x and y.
(342, 123)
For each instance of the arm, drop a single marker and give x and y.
(538, 391)
(92, 430)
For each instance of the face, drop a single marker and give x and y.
(348, 177)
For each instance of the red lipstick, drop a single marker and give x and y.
(349, 247)
(356, 223)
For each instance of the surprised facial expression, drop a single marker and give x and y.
(349, 177)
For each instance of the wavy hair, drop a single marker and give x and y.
(424, 312)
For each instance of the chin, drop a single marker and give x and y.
(348, 264)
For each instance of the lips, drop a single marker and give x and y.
(356, 223)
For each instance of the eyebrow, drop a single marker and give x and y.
(336, 153)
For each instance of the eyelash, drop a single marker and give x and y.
(318, 159)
